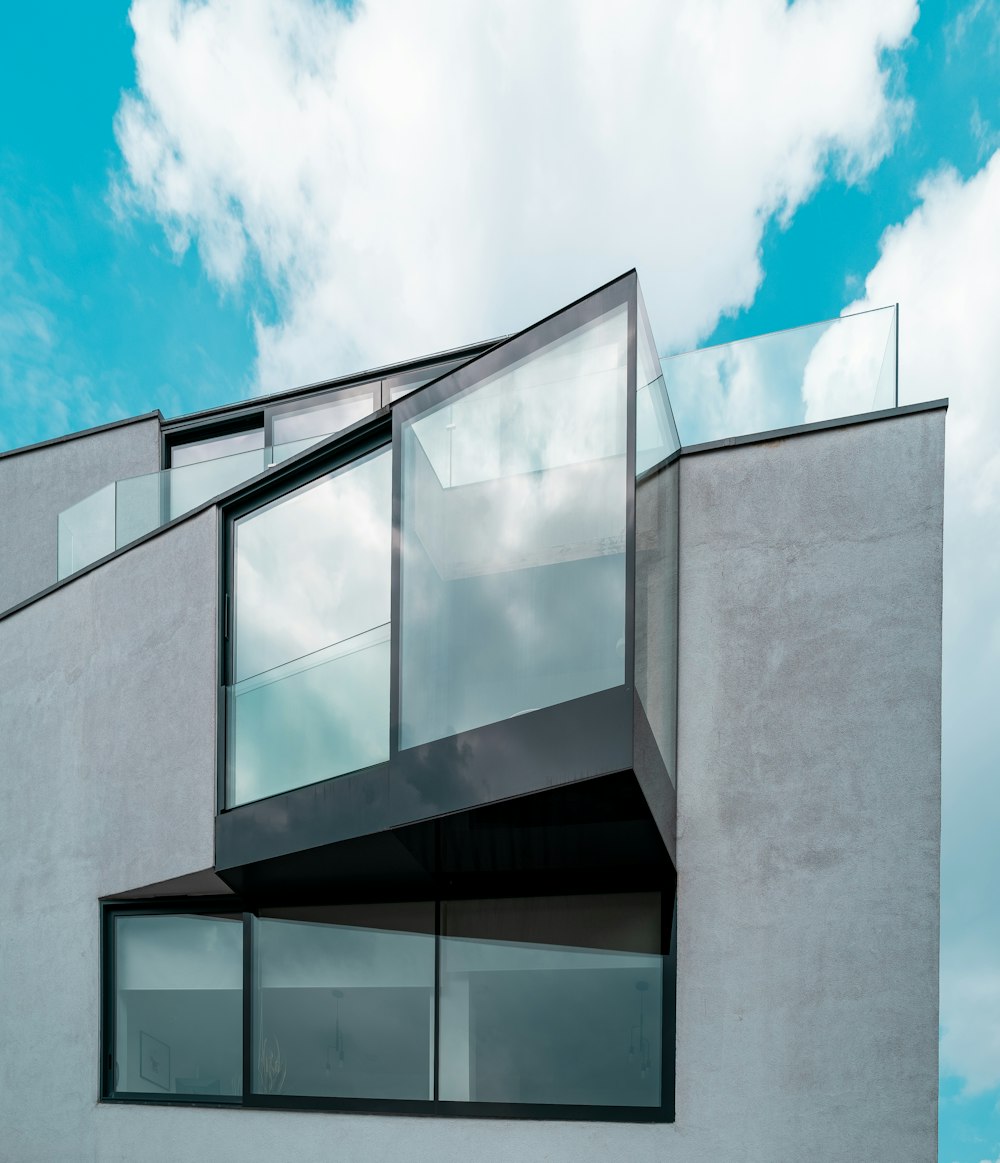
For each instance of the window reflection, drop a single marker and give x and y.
(293, 431)
(514, 513)
(552, 1000)
(344, 1002)
(312, 593)
(179, 1005)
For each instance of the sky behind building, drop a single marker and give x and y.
(200, 201)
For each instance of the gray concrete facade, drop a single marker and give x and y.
(808, 767)
(38, 483)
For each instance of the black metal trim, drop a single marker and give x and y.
(248, 1055)
(179, 435)
(814, 426)
(432, 1108)
(191, 420)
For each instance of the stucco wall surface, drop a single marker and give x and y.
(809, 794)
(808, 823)
(37, 484)
(107, 782)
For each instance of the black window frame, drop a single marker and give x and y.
(585, 737)
(110, 909)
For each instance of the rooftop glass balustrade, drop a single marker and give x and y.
(823, 371)
(126, 510)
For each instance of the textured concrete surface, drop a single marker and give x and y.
(809, 808)
(36, 485)
(808, 823)
(107, 781)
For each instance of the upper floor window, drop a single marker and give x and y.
(308, 694)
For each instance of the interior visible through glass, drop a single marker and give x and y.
(552, 1000)
(513, 538)
(344, 1002)
(179, 1005)
(310, 698)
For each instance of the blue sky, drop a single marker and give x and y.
(166, 241)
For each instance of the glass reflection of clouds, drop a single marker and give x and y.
(311, 698)
(827, 370)
(655, 431)
(514, 510)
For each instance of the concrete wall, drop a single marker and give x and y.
(808, 769)
(107, 781)
(37, 484)
(809, 808)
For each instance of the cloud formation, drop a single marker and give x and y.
(414, 176)
(941, 265)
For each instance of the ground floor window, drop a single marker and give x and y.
(542, 1006)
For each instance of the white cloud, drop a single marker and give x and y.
(941, 265)
(423, 175)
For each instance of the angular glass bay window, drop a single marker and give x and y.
(309, 692)
(488, 639)
(514, 521)
(178, 1005)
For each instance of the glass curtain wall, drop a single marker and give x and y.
(514, 518)
(309, 693)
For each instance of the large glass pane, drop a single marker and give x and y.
(189, 487)
(179, 1005)
(145, 502)
(841, 367)
(552, 1000)
(344, 1002)
(86, 531)
(513, 538)
(312, 596)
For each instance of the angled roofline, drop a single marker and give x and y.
(358, 432)
(156, 414)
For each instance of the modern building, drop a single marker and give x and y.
(444, 762)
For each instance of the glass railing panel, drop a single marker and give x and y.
(86, 531)
(194, 484)
(139, 506)
(401, 385)
(841, 367)
(214, 447)
(655, 431)
(310, 719)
